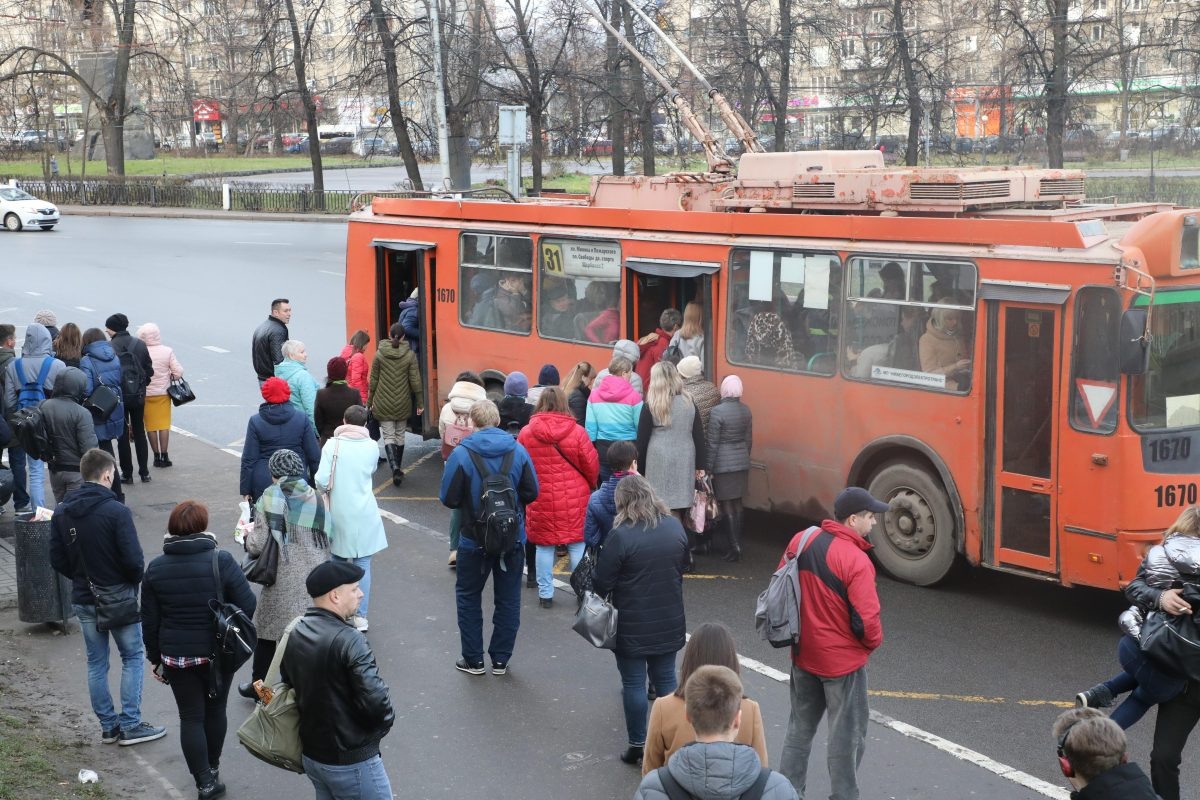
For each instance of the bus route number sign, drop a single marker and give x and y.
(1169, 495)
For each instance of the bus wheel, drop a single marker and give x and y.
(914, 541)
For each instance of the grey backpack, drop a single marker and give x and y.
(777, 614)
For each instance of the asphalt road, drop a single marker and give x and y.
(986, 661)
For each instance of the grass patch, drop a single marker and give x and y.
(193, 165)
(28, 768)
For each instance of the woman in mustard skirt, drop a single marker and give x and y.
(158, 404)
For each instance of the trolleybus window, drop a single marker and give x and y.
(910, 322)
(495, 279)
(578, 299)
(1168, 395)
(1097, 375)
(783, 309)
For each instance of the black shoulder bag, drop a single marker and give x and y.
(235, 636)
(116, 606)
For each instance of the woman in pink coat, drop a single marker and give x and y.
(158, 405)
(567, 467)
(358, 369)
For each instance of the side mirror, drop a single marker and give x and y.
(1133, 348)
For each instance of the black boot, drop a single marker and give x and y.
(208, 787)
(395, 457)
(734, 530)
(166, 462)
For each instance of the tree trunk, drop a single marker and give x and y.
(640, 101)
(459, 147)
(912, 87)
(310, 108)
(113, 117)
(395, 111)
(536, 145)
(786, 36)
(616, 102)
(1056, 86)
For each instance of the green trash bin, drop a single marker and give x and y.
(42, 594)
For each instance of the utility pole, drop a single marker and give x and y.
(440, 89)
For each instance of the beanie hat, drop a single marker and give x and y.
(117, 323)
(329, 575)
(276, 390)
(285, 463)
(627, 349)
(731, 386)
(45, 317)
(516, 384)
(690, 367)
(335, 368)
(548, 376)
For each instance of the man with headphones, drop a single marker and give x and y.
(1091, 754)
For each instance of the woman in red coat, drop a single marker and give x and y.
(567, 467)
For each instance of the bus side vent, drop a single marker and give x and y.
(1061, 186)
(812, 191)
(967, 190)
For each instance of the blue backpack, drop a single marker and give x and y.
(32, 392)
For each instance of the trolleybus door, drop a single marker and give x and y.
(655, 285)
(1024, 348)
(401, 267)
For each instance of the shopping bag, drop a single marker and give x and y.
(245, 524)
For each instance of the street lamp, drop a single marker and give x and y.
(1153, 124)
(984, 119)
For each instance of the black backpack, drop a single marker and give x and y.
(497, 518)
(29, 429)
(132, 380)
(676, 792)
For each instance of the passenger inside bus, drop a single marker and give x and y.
(505, 306)
(944, 350)
(557, 308)
(769, 341)
(601, 322)
(902, 352)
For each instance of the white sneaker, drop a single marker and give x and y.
(359, 622)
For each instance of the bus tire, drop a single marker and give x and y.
(914, 542)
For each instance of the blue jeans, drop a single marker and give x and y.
(365, 584)
(1147, 684)
(37, 482)
(16, 462)
(129, 644)
(366, 780)
(661, 669)
(545, 565)
(474, 568)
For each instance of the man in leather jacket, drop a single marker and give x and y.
(344, 705)
(266, 348)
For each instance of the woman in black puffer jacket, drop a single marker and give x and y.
(641, 565)
(177, 628)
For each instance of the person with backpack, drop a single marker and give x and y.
(101, 368)
(839, 629)
(16, 456)
(715, 766)
(69, 429)
(136, 370)
(28, 380)
(491, 478)
(454, 425)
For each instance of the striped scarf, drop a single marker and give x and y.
(293, 511)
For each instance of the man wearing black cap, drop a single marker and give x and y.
(839, 628)
(136, 368)
(344, 705)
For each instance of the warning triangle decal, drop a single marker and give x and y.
(1098, 397)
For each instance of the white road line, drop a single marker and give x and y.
(34, 294)
(215, 349)
(273, 244)
(331, 272)
(903, 728)
(6, 310)
(85, 308)
(168, 787)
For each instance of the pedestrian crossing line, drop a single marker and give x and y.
(966, 698)
(400, 497)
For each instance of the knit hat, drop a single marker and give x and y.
(45, 317)
(285, 464)
(117, 323)
(335, 368)
(548, 376)
(516, 384)
(329, 575)
(627, 349)
(731, 386)
(690, 367)
(276, 390)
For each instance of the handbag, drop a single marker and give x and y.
(263, 568)
(698, 513)
(180, 392)
(103, 400)
(1172, 643)
(234, 635)
(373, 429)
(326, 494)
(596, 621)
(581, 577)
(455, 432)
(116, 606)
(272, 731)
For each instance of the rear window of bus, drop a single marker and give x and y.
(495, 276)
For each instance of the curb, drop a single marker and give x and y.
(195, 213)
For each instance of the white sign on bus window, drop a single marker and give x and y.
(762, 274)
(592, 260)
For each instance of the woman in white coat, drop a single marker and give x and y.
(347, 472)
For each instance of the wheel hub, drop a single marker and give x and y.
(909, 524)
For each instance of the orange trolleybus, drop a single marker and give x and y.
(1015, 370)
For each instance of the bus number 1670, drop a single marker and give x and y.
(1175, 494)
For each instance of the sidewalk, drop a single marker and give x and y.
(158, 212)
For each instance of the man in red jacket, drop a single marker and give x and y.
(839, 628)
(653, 345)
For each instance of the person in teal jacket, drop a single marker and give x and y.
(613, 410)
(347, 471)
(294, 370)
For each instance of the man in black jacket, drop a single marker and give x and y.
(266, 348)
(92, 536)
(344, 705)
(70, 430)
(117, 327)
(1092, 756)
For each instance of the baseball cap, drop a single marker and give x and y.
(854, 500)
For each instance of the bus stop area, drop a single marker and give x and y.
(552, 727)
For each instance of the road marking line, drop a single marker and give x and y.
(903, 728)
(423, 459)
(273, 244)
(961, 698)
(330, 272)
(34, 294)
(215, 349)
(168, 787)
(399, 497)
(6, 310)
(84, 308)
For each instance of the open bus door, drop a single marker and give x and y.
(1021, 510)
(400, 268)
(655, 285)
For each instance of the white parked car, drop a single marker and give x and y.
(19, 209)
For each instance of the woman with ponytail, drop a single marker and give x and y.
(393, 391)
